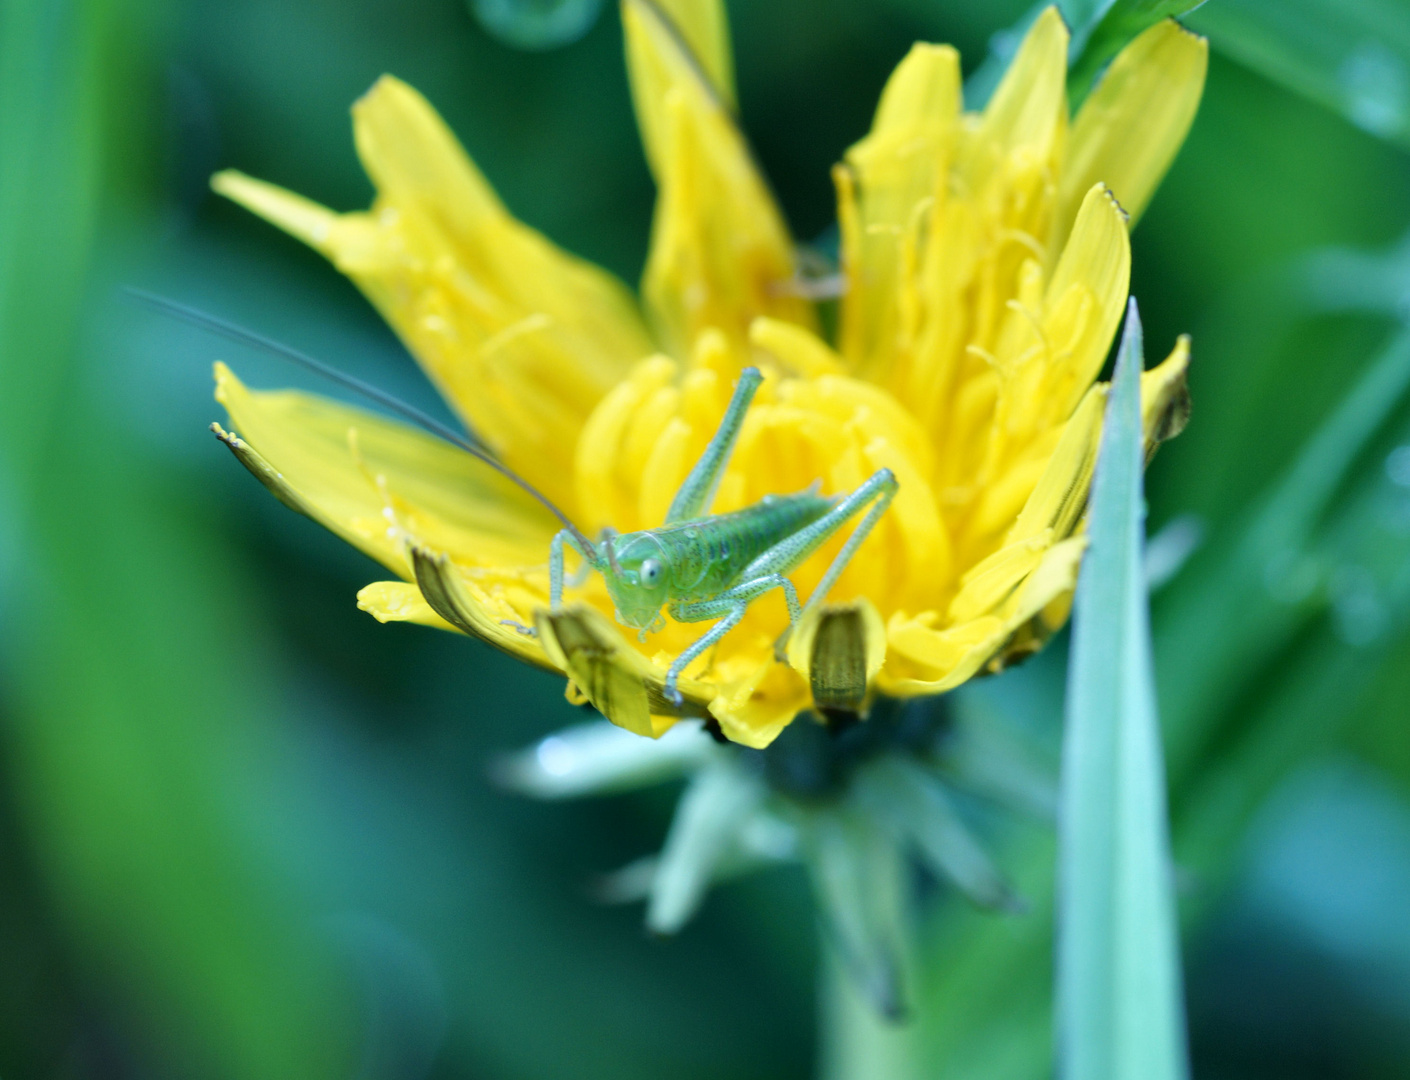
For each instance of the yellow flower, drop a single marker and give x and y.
(986, 263)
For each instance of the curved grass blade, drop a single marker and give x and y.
(1119, 1009)
(1353, 56)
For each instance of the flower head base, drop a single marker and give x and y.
(987, 262)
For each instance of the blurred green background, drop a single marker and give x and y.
(245, 831)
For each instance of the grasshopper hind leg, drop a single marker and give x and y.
(696, 648)
(878, 490)
(731, 604)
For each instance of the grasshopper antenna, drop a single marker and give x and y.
(215, 325)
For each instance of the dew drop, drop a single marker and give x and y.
(537, 24)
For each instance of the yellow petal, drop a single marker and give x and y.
(1028, 112)
(753, 711)
(1041, 607)
(474, 611)
(1049, 353)
(893, 178)
(616, 443)
(1053, 577)
(620, 683)
(521, 337)
(1034, 634)
(421, 171)
(1131, 126)
(927, 660)
(720, 252)
(1061, 495)
(797, 349)
(1165, 397)
(990, 582)
(399, 601)
(1082, 307)
(871, 409)
(301, 218)
(988, 223)
(355, 243)
(451, 500)
(704, 25)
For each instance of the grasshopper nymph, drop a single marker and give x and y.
(698, 566)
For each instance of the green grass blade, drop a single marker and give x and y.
(1119, 1010)
(1350, 55)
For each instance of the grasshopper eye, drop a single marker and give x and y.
(651, 573)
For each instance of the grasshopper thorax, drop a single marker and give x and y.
(636, 570)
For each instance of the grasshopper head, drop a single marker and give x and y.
(636, 576)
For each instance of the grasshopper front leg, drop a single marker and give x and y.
(731, 604)
(698, 489)
(556, 575)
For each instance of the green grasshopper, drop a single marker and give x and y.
(701, 566)
(697, 566)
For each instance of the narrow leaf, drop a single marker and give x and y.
(919, 808)
(705, 829)
(598, 758)
(1119, 1010)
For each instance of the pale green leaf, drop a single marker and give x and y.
(599, 758)
(704, 831)
(1119, 1005)
(919, 809)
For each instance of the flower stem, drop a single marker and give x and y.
(855, 1042)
